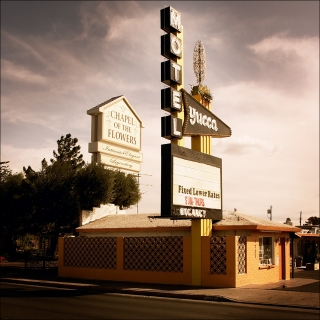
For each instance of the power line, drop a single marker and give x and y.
(138, 176)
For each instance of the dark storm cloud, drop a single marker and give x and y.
(255, 18)
(41, 17)
(239, 24)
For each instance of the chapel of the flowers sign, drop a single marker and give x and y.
(116, 135)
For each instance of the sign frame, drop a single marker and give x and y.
(170, 20)
(171, 73)
(168, 208)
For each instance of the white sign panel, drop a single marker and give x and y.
(115, 151)
(120, 126)
(119, 163)
(196, 184)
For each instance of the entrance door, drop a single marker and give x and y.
(282, 259)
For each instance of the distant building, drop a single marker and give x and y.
(308, 244)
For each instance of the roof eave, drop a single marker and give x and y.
(148, 229)
(256, 227)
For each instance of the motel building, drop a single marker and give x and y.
(235, 251)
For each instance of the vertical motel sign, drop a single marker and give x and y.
(171, 72)
(191, 181)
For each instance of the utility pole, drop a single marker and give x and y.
(269, 212)
(300, 217)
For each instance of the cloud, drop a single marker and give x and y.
(83, 70)
(13, 72)
(244, 145)
(22, 157)
(280, 47)
(26, 48)
(287, 63)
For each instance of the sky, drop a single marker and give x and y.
(61, 58)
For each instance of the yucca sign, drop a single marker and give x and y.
(199, 120)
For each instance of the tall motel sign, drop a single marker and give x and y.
(191, 180)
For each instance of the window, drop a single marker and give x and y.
(265, 251)
(242, 248)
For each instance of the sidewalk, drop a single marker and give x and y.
(302, 291)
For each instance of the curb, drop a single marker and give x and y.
(147, 293)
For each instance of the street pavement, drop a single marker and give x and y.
(303, 291)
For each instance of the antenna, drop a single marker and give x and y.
(199, 62)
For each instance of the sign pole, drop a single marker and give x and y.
(199, 227)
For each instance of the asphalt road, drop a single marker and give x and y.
(35, 302)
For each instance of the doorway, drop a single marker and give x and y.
(282, 259)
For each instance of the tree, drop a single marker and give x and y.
(54, 200)
(288, 221)
(69, 151)
(313, 220)
(54, 205)
(126, 190)
(59, 193)
(11, 213)
(53, 197)
(5, 171)
(94, 184)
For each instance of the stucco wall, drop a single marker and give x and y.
(218, 280)
(230, 277)
(261, 275)
(120, 274)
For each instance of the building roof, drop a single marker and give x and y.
(308, 235)
(138, 222)
(234, 220)
(146, 222)
(100, 107)
(106, 102)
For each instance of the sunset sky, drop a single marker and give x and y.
(59, 59)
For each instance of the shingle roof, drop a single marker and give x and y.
(234, 219)
(133, 221)
(144, 221)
